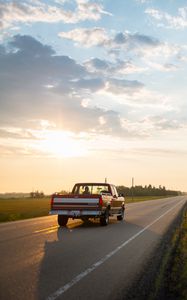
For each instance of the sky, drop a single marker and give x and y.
(92, 90)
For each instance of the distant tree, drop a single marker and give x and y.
(147, 191)
(37, 194)
(64, 192)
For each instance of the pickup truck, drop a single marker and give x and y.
(88, 200)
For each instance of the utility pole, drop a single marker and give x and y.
(105, 179)
(132, 188)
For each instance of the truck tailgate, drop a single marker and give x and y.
(75, 206)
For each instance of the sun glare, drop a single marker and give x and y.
(61, 145)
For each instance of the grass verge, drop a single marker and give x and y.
(171, 281)
(143, 198)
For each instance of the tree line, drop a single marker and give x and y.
(147, 190)
(37, 194)
(138, 190)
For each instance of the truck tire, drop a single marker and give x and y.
(85, 219)
(62, 220)
(121, 216)
(104, 220)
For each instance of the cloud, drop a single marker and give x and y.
(92, 85)
(15, 12)
(92, 10)
(158, 152)
(119, 67)
(87, 37)
(133, 40)
(122, 86)
(133, 153)
(36, 84)
(41, 90)
(19, 133)
(99, 37)
(96, 64)
(144, 52)
(163, 123)
(144, 98)
(165, 67)
(29, 59)
(138, 45)
(166, 20)
(30, 46)
(23, 151)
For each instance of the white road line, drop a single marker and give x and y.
(83, 274)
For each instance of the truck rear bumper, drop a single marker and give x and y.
(77, 213)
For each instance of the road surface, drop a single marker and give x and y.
(39, 260)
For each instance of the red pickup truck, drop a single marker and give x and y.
(88, 200)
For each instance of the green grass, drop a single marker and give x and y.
(171, 277)
(142, 198)
(24, 208)
(177, 281)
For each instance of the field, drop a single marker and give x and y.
(17, 209)
(24, 208)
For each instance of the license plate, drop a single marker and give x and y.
(75, 212)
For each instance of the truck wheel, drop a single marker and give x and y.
(85, 219)
(104, 220)
(62, 220)
(121, 217)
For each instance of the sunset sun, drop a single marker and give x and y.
(61, 145)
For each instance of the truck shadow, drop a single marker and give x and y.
(83, 224)
(70, 251)
(91, 223)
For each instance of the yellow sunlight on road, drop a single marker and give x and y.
(62, 145)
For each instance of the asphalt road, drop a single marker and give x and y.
(83, 261)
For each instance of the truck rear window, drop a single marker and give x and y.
(90, 189)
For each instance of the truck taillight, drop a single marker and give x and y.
(100, 201)
(52, 200)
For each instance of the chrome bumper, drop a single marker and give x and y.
(76, 213)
